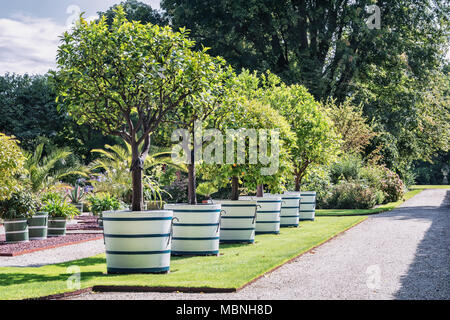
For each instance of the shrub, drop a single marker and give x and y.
(392, 186)
(103, 202)
(177, 191)
(59, 208)
(352, 195)
(20, 205)
(348, 168)
(318, 180)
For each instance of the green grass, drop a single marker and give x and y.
(355, 212)
(429, 187)
(236, 266)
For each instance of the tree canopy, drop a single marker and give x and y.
(123, 79)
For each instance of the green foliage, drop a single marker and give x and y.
(28, 111)
(104, 202)
(11, 164)
(124, 79)
(347, 168)
(22, 204)
(353, 127)
(398, 74)
(114, 178)
(206, 189)
(44, 172)
(353, 195)
(76, 194)
(59, 208)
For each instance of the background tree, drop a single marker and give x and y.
(29, 112)
(135, 11)
(328, 47)
(123, 79)
(11, 164)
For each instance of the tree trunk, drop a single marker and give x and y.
(192, 196)
(138, 190)
(260, 191)
(234, 188)
(297, 182)
(137, 202)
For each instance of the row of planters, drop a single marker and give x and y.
(168, 88)
(142, 242)
(25, 217)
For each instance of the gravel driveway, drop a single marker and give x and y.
(402, 254)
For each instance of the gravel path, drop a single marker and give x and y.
(403, 254)
(57, 255)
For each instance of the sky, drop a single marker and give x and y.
(29, 30)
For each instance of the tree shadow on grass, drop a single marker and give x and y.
(10, 279)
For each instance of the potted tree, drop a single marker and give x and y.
(15, 211)
(241, 217)
(197, 229)
(124, 79)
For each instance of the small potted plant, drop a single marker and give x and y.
(15, 211)
(76, 195)
(103, 202)
(206, 189)
(59, 212)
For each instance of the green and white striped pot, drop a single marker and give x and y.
(267, 214)
(137, 241)
(56, 227)
(307, 205)
(37, 226)
(238, 221)
(196, 229)
(289, 209)
(16, 230)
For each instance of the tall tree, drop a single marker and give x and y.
(124, 79)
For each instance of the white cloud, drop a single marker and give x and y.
(28, 45)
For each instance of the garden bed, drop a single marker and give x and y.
(16, 249)
(84, 223)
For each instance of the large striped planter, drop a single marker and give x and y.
(196, 229)
(37, 226)
(238, 221)
(289, 215)
(267, 215)
(290, 209)
(137, 241)
(56, 227)
(16, 230)
(308, 205)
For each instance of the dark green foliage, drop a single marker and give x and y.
(21, 205)
(137, 11)
(29, 112)
(352, 195)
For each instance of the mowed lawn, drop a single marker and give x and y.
(236, 265)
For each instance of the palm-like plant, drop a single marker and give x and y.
(115, 163)
(43, 173)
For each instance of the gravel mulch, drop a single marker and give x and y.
(15, 249)
(84, 223)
